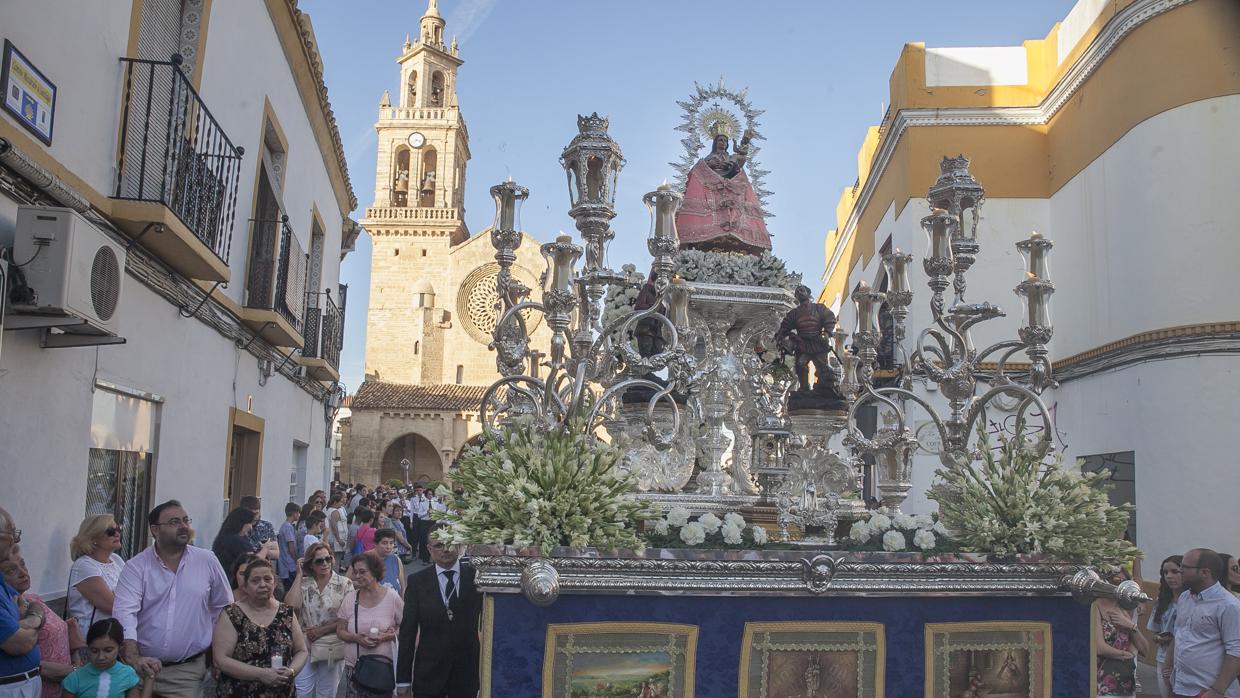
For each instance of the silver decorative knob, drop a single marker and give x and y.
(540, 583)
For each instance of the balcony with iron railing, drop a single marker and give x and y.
(275, 291)
(177, 171)
(324, 335)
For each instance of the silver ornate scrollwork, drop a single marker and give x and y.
(944, 352)
(818, 572)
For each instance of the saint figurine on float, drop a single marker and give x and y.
(721, 212)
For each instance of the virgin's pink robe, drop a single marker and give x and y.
(721, 214)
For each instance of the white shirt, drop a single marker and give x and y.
(420, 505)
(84, 568)
(443, 581)
(438, 505)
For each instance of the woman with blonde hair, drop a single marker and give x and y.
(96, 568)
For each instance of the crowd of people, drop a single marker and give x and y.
(1195, 623)
(352, 595)
(349, 595)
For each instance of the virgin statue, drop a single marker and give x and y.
(721, 211)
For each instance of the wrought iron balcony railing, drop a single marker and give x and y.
(277, 276)
(324, 331)
(172, 151)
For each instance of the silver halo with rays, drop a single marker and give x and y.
(704, 107)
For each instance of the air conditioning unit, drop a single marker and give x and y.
(74, 269)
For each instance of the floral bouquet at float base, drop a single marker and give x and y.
(675, 530)
(894, 532)
(1018, 502)
(543, 489)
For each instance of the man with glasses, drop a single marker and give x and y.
(439, 645)
(19, 628)
(167, 601)
(1205, 652)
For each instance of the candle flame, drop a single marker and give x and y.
(1035, 235)
(509, 180)
(1030, 276)
(898, 252)
(863, 285)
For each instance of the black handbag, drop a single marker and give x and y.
(373, 673)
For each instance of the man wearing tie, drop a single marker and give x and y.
(442, 612)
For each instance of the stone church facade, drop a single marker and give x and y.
(432, 284)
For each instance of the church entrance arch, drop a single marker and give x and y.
(424, 461)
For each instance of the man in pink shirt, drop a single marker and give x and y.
(167, 600)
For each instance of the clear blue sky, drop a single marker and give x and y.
(820, 70)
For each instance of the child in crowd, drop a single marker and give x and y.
(287, 563)
(393, 568)
(364, 538)
(104, 675)
(315, 523)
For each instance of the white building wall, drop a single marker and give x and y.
(46, 394)
(1144, 239)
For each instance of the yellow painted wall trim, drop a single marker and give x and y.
(301, 50)
(37, 152)
(1165, 60)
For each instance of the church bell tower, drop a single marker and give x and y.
(418, 213)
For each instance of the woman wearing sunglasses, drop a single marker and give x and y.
(316, 594)
(96, 567)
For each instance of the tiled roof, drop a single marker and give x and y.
(377, 395)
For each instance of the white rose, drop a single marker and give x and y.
(734, 519)
(660, 527)
(924, 520)
(924, 539)
(940, 529)
(731, 534)
(860, 531)
(678, 516)
(759, 535)
(880, 522)
(710, 522)
(693, 533)
(893, 541)
(904, 522)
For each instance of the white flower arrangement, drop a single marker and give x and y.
(897, 531)
(730, 530)
(893, 540)
(693, 533)
(710, 522)
(543, 489)
(1016, 502)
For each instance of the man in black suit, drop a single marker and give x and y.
(442, 613)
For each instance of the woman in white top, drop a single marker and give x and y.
(337, 532)
(96, 568)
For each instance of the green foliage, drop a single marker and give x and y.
(1014, 503)
(395, 482)
(535, 489)
(737, 268)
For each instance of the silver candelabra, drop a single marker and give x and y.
(944, 352)
(589, 366)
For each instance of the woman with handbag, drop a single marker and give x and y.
(1117, 644)
(368, 623)
(258, 645)
(95, 571)
(317, 594)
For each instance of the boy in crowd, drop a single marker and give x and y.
(286, 565)
(393, 568)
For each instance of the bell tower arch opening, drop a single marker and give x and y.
(424, 462)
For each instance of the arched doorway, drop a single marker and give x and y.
(424, 460)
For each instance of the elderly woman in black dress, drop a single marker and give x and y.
(259, 646)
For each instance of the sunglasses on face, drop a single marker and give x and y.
(112, 531)
(322, 561)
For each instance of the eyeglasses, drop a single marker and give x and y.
(16, 534)
(322, 561)
(176, 522)
(112, 531)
